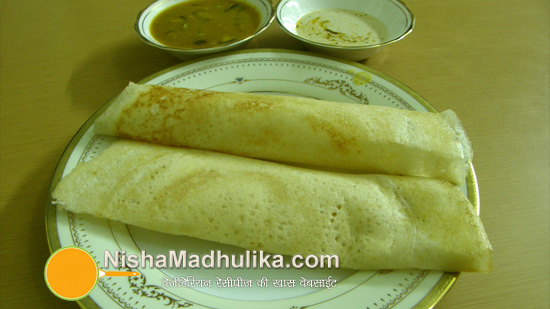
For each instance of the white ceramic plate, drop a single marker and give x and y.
(265, 71)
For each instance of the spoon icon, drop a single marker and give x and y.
(71, 273)
(103, 273)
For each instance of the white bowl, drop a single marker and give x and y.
(394, 15)
(146, 16)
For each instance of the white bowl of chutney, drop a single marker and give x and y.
(192, 28)
(348, 29)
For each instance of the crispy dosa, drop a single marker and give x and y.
(369, 221)
(368, 139)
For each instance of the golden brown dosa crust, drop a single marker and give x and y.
(369, 221)
(356, 137)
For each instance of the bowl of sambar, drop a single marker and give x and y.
(191, 28)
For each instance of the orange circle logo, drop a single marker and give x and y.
(71, 273)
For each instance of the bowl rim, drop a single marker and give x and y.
(137, 28)
(407, 31)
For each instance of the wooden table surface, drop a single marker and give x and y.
(488, 60)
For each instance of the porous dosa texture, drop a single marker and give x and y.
(369, 221)
(369, 139)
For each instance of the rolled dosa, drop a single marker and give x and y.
(369, 221)
(368, 139)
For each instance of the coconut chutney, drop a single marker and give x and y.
(341, 27)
